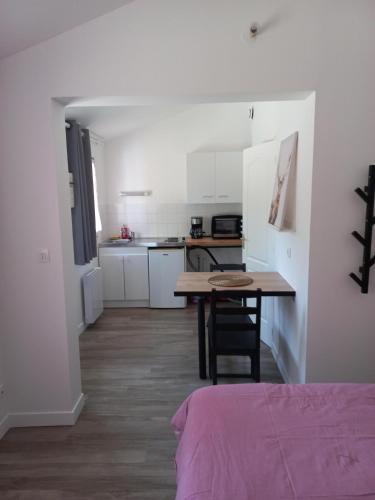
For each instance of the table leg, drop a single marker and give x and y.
(202, 338)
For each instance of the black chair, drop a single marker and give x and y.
(230, 337)
(228, 267)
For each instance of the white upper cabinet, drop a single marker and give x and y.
(214, 177)
(201, 177)
(228, 177)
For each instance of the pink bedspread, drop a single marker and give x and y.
(276, 442)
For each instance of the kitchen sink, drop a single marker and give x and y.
(171, 240)
(118, 242)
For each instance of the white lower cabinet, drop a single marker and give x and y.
(125, 276)
(136, 276)
(113, 276)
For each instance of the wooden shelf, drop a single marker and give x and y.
(213, 242)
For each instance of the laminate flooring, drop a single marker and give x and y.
(137, 367)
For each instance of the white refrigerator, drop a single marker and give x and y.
(165, 265)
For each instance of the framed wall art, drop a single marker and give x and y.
(285, 166)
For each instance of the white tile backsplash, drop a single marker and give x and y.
(160, 219)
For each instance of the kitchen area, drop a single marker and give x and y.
(182, 187)
(169, 194)
(142, 272)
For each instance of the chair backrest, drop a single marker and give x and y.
(228, 267)
(253, 311)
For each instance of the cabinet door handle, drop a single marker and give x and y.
(207, 196)
(223, 196)
(166, 254)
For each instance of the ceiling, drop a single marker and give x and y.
(24, 23)
(113, 121)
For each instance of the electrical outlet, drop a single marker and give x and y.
(44, 256)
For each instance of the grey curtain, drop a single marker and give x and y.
(83, 213)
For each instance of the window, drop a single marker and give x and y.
(98, 221)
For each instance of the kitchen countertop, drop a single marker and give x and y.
(189, 242)
(144, 242)
(209, 242)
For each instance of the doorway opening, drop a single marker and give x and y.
(158, 165)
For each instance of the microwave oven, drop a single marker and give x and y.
(226, 226)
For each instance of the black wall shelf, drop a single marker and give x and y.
(367, 195)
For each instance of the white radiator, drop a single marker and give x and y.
(93, 295)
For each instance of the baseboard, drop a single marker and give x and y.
(280, 364)
(4, 426)
(48, 418)
(114, 304)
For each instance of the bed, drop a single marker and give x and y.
(277, 442)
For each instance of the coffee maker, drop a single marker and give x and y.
(196, 230)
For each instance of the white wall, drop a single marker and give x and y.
(276, 121)
(4, 409)
(154, 158)
(195, 50)
(41, 362)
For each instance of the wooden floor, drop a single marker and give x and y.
(137, 366)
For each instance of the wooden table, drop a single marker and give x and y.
(196, 285)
